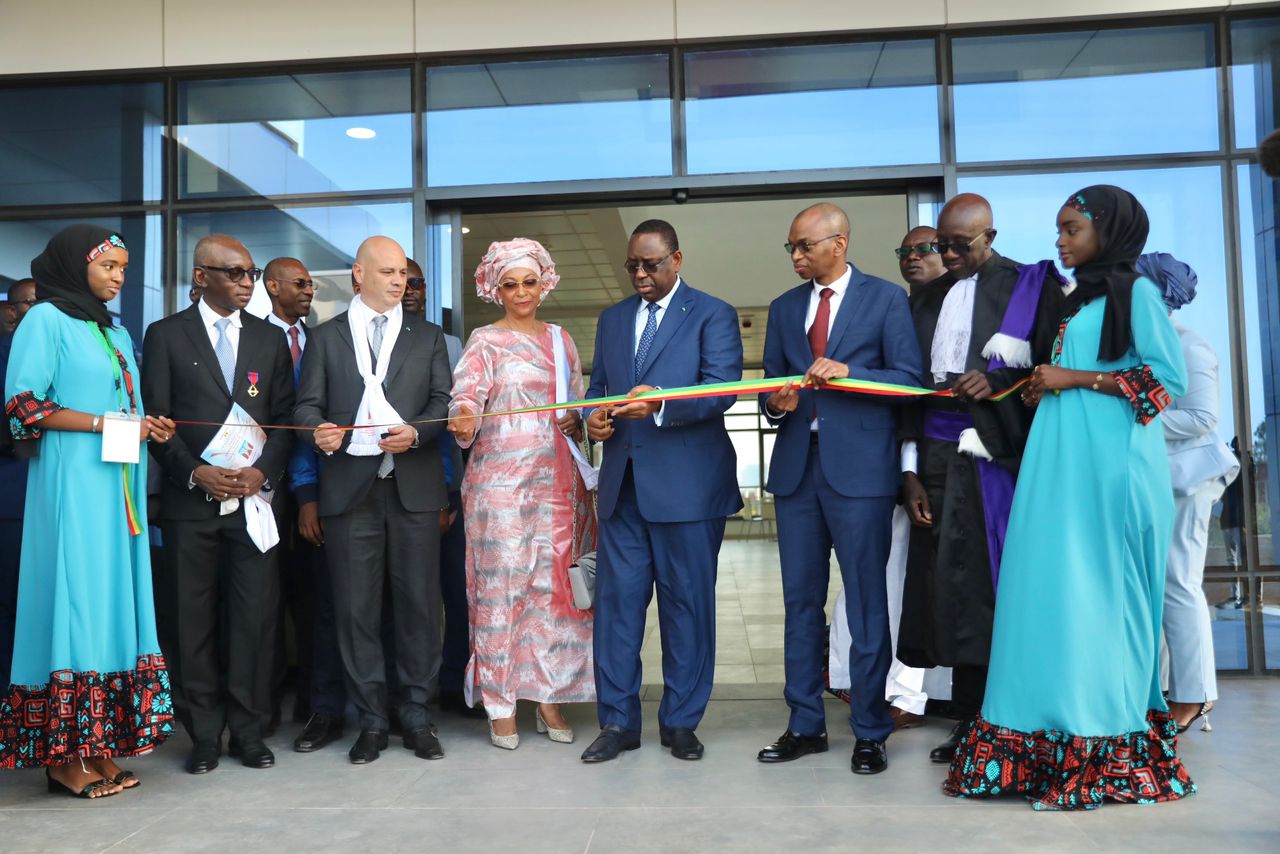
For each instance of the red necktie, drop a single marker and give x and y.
(821, 321)
(295, 350)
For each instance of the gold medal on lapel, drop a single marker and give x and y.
(253, 383)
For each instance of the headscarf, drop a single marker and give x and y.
(1176, 279)
(61, 271)
(1122, 226)
(505, 254)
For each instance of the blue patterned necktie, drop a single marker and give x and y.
(226, 358)
(646, 337)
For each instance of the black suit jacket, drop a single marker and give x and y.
(181, 379)
(1003, 426)
(417, 386)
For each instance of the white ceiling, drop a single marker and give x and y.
(732, 250)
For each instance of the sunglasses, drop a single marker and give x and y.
(956, 246)
(510, 285)
(806, 246)
(235, 274)
(415, 283)
(921, 249)
(646, 267)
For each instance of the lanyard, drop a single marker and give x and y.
(124, 379)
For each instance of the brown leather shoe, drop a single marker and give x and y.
(902, 719)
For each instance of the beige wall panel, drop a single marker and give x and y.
(699, 19)
(961, 12)
(273, 30)
(492, 24)
(38, 36)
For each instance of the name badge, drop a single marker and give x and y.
(120, 442)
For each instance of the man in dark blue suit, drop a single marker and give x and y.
(13, 494)
(667, 483)
(834, 475)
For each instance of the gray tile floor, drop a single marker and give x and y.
(541, 798)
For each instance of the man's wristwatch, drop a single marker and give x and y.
(415, 438)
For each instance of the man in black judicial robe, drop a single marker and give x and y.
(949, 593)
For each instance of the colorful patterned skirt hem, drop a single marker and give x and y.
(1058, 771)
(86, 714)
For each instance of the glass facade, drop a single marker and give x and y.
(308, 164)
(558, 120)
(811, 107)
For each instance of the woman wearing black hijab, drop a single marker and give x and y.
(89, 683)
(1073, 713)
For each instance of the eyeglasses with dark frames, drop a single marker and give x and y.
(806, 246)
(957, 246)
(415, 283)
(921, 249)
(634, 267)
(235, 274)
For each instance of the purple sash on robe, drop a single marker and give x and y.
(995, 481)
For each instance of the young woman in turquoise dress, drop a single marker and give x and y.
(89, 682)
(1073, 713)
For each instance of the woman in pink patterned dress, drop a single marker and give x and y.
(528, 512)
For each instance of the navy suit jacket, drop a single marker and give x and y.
(13, 471)
(874, 335)
(685, 470)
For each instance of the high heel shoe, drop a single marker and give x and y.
(506, 742)
(1205, 709)
(563, 736)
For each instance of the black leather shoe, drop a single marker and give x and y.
(423, 743)
(790, 746)
(943, 753)
(319, 731)
(255, 754)
(367, 746)
(203, 758)
(453, 701)
(869, 756)
(611, 741)
(683, 743)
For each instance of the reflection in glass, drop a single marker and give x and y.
(557, 120)
(1258, 197)
(95, 143)
(295, 133)
(811, 107)
(1255, 78)
(1085, 94)
(142, 298)
(324, 239)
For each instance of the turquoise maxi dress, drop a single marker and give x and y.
(88, 677)
(1073, 712)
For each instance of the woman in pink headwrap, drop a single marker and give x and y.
(527, 507)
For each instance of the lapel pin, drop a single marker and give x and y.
(253, 383)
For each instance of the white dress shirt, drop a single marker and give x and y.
(839, 286)
(275, 319)
(210, 317)
(950, 349)
(642, 318)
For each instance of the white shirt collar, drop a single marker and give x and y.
(665, 302)
(840, 285)
(278, 321)
(210, 317)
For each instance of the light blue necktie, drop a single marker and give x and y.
(375, 346)
(646, 337)
(226, 358)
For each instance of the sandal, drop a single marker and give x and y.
(1205, 709)
(57, 787)
(124, 778)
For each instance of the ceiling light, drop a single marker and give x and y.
(466, 230)
(361, 133)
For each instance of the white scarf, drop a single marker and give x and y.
(373, 408)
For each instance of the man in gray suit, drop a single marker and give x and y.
(381, 490)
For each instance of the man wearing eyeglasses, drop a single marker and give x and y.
(13, 474)
(981, 329)
(667, 483)
(919, 262)
(196, 364)
(22, 295)
(833, 476)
